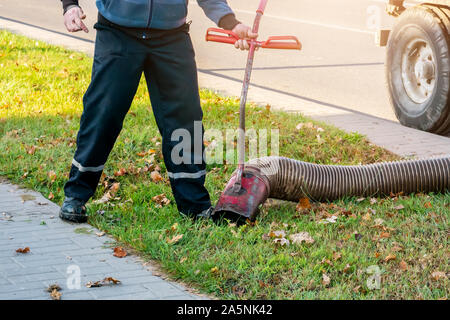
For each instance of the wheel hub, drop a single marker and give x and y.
(418, 71)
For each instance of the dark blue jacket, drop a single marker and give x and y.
(158, 14)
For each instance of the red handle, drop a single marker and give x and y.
(213, 34)
(276, 42)
(282, 42)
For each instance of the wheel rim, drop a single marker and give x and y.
(419, 72)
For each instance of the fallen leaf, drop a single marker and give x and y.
(55, 295)
(325, 280)
(52, 176)
(367, 217)
(156, 176)
(239, 291)
(428, 205)
(54, 291)
(298, 238)
(403, 265)
(23, 250)
(105, 282)
(282, 241)
(214, 270)
(378, 222)
(54, 286)
(160, 200)
(51, 196)
(331, 219)
(303, 205)
(121, 172)
(175, 239)
(277, 234)
(346, 268)
(119, 252)
(183, 259)
(384, 235)
(109, 194)
(100, 234)
(390, 257)
(31, 150)
(399, 207)
(438, 275)
(336, 256)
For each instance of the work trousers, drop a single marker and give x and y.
(167, 59)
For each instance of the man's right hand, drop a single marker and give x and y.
(73, 20)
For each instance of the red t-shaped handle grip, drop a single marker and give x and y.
(275, 42)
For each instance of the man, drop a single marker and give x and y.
(136, 36)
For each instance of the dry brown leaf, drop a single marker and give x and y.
(52, 176)
(182, 260)
(326, 280)
(121, 172)
(160, 200)
(175, 239)
(438, 275)
(390, 257)
(428, 205)
(55, 295)
(346, 268)
(112, 190)
(399, 207)
(156, 176)
(119, 252)
(403, 265)
(303, 204)
(298, 238)
(51, 196)
(277, 234)
(31, 150)
(336, 256)
(105, 282)
(384, 235)
(23, 250)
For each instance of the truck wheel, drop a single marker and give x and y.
(418, 70)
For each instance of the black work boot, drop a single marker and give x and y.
(73, 210)
(205, 214)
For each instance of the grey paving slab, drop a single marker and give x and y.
(67, 254)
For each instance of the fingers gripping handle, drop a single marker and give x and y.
(276, 42)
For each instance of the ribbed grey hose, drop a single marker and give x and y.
(291, 180)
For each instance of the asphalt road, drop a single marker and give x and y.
(339, 65)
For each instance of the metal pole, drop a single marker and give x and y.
(243, 99)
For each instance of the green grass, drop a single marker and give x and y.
(40, 105)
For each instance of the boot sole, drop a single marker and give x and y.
(77, 218)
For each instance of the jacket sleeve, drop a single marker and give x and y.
(219, 12)
(68, 3)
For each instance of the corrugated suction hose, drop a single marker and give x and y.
(288, 179)
(291, 180)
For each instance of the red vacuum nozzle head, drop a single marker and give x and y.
(244, 204)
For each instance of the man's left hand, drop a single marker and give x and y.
(245, 33)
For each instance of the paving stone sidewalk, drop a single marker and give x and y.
(58, 249)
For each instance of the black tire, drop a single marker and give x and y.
(419, 87)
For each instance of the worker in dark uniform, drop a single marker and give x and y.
(150, 37)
